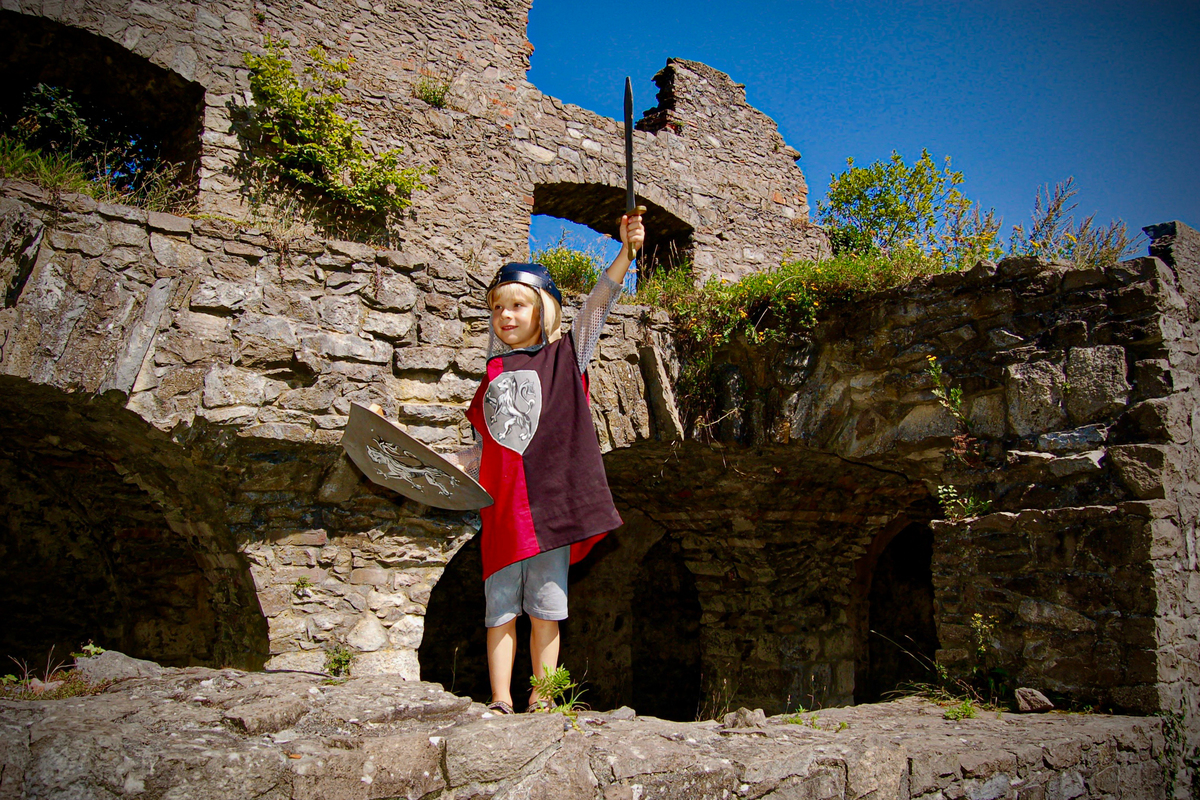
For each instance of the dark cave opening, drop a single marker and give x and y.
(901, 641)
(89, 553)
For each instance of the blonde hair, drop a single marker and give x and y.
(551, 324)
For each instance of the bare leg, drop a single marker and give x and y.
(543, 648)
(502, 647)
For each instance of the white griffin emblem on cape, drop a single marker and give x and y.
(513, 405)
(392, 462)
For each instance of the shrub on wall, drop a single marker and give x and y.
(305, 140)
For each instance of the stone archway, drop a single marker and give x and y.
(898, 637)
(96, 545)
(163, 110)
(669, 239)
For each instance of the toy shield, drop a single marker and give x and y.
(390, 457)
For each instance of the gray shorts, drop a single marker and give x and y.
(537, 586)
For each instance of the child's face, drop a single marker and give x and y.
(515, 318)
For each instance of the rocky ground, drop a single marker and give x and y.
(205, 733)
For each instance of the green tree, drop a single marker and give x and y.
(888, 206)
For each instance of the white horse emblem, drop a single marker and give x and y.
(400, 464)
(513, 406)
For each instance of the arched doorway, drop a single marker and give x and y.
(89, 551)
(599, 207)
(901, 636)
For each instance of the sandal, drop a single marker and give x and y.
(500, 707)
(540, 705)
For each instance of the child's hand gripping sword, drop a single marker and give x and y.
(631, 207)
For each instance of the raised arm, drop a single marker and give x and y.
(590, 320)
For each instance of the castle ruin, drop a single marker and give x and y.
(175, 389)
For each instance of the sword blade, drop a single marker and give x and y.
(630, 198)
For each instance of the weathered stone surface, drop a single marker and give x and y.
(1035, 398)
(114, 666)
(1031, 700)
(1096, 386)
(1140, 467)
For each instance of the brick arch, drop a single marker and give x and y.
(599, 206)
(160, 104)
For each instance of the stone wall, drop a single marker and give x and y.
(707, 163)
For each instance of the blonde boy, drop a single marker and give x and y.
(537, 455)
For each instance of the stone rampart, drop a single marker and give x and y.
(707, 163)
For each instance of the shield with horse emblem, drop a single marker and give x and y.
(390, 457)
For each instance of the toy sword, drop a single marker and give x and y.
(631, 206)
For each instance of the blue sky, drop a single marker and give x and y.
(1018, 94)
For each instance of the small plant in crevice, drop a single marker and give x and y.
(57, 681)
(957, 502)
(302, 588)
(339, 659)
(964, 710)
(89, 650)
(983, 684)
(717, 701)
(557, 686)
(431, 89)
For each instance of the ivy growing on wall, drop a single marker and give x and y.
(305, 140)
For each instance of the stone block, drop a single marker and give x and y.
(1096, 385)
(169, 223)
(175, 254)
(1141, 468)
(341, 314)
(266, 716)
(391, 292)
(355, 251)
(368, 634)
(400, 663)
(924, 422)
(438, 331)
(1078, 440)
(347, 347)
(213, 294)
(1051, 615)
(404, 766)
(370, 576)
(1033, 392)
(406, 633)
(492, 750)
(388, 325)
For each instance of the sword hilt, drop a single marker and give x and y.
(636, 211)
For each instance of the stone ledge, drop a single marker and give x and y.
(377, 737)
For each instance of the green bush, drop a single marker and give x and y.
(775, 306)
(305, 140)
(573, 269)
(1054, 234)
(890, 207)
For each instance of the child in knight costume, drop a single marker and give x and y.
(538, 456)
